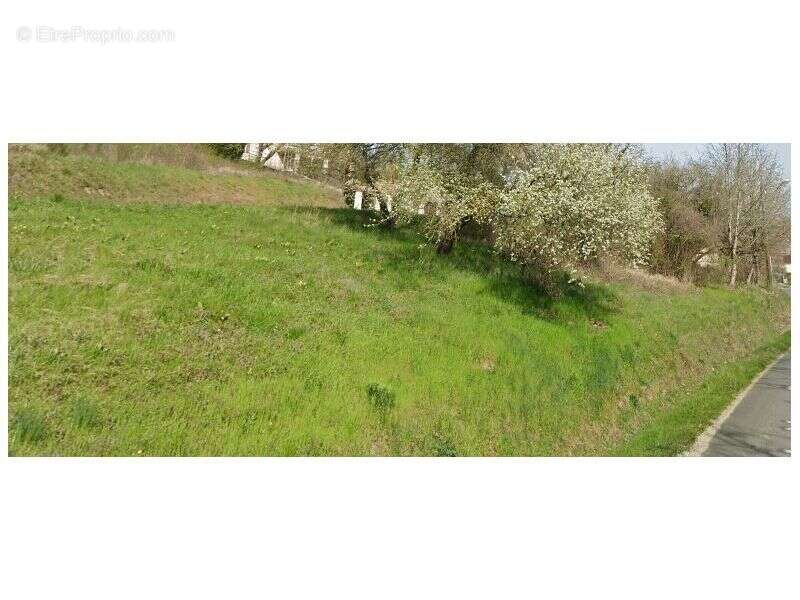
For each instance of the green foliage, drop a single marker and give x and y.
(229, 151)
(448, 198)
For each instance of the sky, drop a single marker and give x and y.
(686, 151)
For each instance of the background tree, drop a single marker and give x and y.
(357, 167)
(689, 232)
(745, 193)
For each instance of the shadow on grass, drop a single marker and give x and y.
(506, 281)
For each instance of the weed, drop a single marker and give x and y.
(380, 396)
(443, 446)
(29, 425)
(294, 333)
(84, 413)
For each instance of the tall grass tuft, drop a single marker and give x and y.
(84, 413)
(29, 426)
(380, 396)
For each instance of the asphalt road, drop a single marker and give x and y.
(760, 423)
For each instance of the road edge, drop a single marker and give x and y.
(703, 440)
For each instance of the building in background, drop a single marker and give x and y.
(278, 157)
(783, 266)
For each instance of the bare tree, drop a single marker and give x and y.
(747, 195)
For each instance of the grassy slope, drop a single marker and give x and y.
(672, 431)
(37, 174)
(210, 329)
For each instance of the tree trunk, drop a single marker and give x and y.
(734, 259)
(688, 270)
(769, 271)
(445, 246)
(733, 235)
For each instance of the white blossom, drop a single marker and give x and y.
(572, 204)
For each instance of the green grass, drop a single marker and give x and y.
(174, 328)
(672, 431)
(32, 172)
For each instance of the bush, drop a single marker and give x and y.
(229, 151)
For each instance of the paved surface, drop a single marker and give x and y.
(759, 425)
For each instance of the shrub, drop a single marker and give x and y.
(229, 151)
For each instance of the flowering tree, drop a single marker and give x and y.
(567, 204)
(574, 204)
(446, 196)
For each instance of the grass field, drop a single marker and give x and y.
(186, 313)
